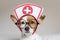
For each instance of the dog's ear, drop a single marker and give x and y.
(42, 17)
(13, 18)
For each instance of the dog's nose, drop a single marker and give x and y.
(27, 28)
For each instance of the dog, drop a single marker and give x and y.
(28, 25)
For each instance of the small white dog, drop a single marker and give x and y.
(28, 25)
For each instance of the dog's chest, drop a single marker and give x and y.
(33, 37)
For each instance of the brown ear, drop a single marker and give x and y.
(42, 17)
(13, 18)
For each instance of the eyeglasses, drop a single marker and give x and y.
(32, 23)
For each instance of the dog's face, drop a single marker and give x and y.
(27, 23)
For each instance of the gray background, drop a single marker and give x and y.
(50, 26)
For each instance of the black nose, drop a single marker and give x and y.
(27, 28)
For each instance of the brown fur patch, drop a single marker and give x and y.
(32, 21)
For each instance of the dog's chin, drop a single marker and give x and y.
(27, 33)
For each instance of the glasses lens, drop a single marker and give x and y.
(33, 23)
(22, 23)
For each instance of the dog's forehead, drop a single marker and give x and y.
(28, 18)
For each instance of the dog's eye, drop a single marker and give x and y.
(23, 22)
(31, 22)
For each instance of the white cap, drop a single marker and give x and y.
(30, 9)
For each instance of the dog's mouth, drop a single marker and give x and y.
(27, 32)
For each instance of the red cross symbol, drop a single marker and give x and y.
(27, 10)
